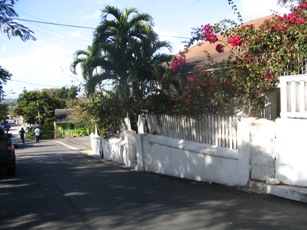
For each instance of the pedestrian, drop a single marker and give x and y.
(22, 134)
(37, 132)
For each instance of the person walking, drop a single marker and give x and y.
(37, 132)
(22, 135)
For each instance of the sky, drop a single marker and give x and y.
(45, 63)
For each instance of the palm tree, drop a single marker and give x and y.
(89, 62)
(146, 70)
(41, 108)
(127, 45)
(115, 38)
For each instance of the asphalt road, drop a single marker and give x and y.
(57, 187)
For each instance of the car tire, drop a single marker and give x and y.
(16, 146)
(11, 171)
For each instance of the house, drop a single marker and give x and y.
(64, 123)
(197, 59)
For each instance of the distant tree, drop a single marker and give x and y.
(37, 106)
(68, 93)
(41, 108)
(64, 95)
(3, 111)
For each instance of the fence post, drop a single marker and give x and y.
(244, 148)
(96, 145)
(283, 96)
(139, 152)
(141, 124)
(129, 137)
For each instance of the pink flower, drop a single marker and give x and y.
(211, 37)
(208, 34)
(235, 41)
(178, 62)
(206, 28)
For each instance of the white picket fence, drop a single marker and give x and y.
(293, 96)
(208, 129)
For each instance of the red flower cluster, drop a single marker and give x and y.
(245, 27)
(190, 101)
(192, 81)
(178, 62)
(302, 5)
(192, 78)
(219, 48)
(235, 41)
(268, 75)
(280, 28)
(208, 34)
(292, 18)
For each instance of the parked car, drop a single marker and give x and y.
(14, 139)
(5, 125)
(7, 153)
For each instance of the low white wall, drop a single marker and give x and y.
(291, 151)
(260, 155)
(118, 150)
(114, 149)
(190, 160)
(262, 149)
(96, 145)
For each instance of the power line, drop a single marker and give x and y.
(81, 27)
(53, 23)
(51, 35)
(24, 82)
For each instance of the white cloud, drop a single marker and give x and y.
(170, 36)
(259, 8)
(43, 67)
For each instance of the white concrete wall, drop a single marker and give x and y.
(114, 149)
(122, 151)
(129, 137)
(291, 151)
(262, 149)
(191, 160)
(96, 144)
(260, 155)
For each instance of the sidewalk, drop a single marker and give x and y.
(83, 144)
(283, 191)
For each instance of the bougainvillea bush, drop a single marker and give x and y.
(257, 58)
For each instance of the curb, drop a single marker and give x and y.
(283, 191)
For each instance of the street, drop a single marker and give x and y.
(56, 187)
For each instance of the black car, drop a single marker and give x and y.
(7, 153)
(5, 125)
